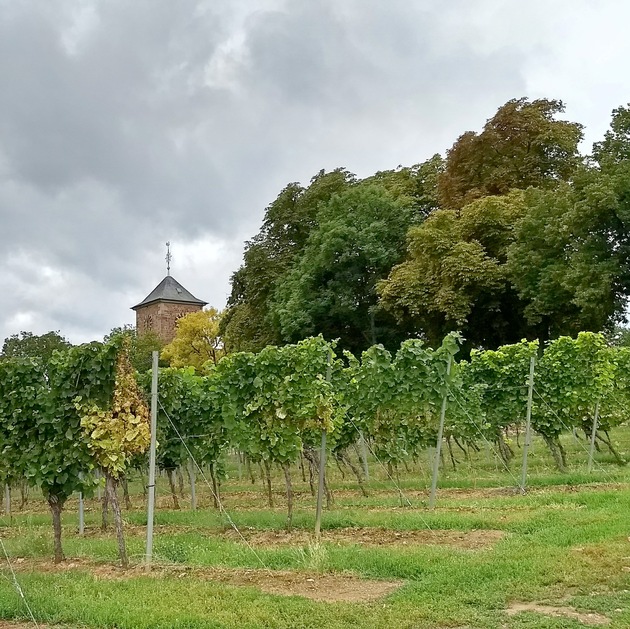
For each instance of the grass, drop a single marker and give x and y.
(565, 542)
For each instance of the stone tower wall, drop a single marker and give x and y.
(161, 317)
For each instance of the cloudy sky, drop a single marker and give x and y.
(127, 124)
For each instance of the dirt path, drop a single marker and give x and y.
(469, 540)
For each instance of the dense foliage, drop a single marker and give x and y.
(85, 412)
(45, 436)
(513, 234)
(29, 345)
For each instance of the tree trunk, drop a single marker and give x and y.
(267, 469)
(287, 478)
(563, 454)
(330, 499)
(450, 452)
(110, 489)
(215, 487)
(309, 455)
(24, 494)
(248, 469)
(302, 470)
(180, 481)
(313, 459)
(239, 462)
(171, 482)
(607, 440)
(125, 486)
(355, 470)
(56, 507)
(104, 508)
(339, 461)
(461, 447)
(143, 480)
(505, 452)
(556, 452)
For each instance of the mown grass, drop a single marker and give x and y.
(566, 540)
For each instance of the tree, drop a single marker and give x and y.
(614, 149)
(197, 340)
(115, 433)
(269, 255)
(29, 345)
(40, 427)
(455, 275)
(416, 186)
(569, 258)
(522, 145)
(140, 348)
(619, 336)
(331, 290)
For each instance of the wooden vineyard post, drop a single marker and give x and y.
(438, 445)
(151, 487)
(322, 465)
(528, 423)
(591, 450)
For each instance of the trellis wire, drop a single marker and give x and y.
(17, 586)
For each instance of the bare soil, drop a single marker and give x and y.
(374, 537)
(586, 618)
(328, 588)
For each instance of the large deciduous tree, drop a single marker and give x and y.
(270, 254)
(331, 290)
(416, 186)
(569, 259)
(614, 149)
(455, 275)
(522, 145)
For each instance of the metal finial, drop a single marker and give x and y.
(169, 257)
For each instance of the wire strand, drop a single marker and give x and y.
(17, 586)
(214, 494)
(597, 463)
(484, 438)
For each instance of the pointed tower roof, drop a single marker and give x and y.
(169, 289)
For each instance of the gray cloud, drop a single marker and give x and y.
(126, 124)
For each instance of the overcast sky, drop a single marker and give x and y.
(127, 124)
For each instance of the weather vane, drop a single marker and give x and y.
(169, 257)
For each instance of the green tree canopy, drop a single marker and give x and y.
(269, 255)
(569, 258)
(29, 345)
(455, 275)
(614, 149)
(522, 145)
(331, 290)
(416, 186)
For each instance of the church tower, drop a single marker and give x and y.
(164, 305)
